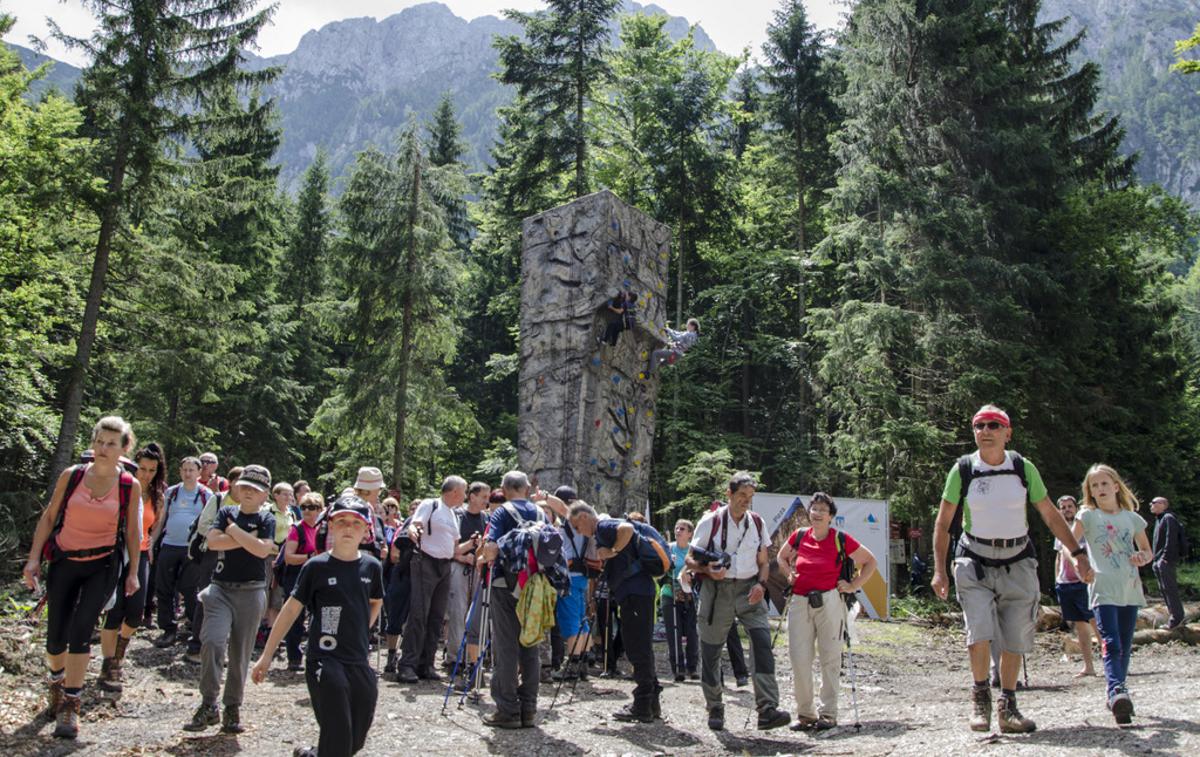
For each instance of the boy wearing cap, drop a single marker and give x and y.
(241, 537)
(995, 569)
(343, 591)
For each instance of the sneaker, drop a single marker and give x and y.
(1122, 709)
(772, 718)
(499, 720)
(716, 717)
(166, 639)
(66, 725)
(110, 675)
(981, 716)
(231, 721)
(1010, 718)
(205, 715)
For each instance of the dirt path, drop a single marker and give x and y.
(912, 695)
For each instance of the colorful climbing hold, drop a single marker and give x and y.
(596, 360)
(642, 376)
(598, 487)
(645, 354)
(616, 379)
(597, 426)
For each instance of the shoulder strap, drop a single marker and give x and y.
(758, 522)
(966, 471)
(1019, 468)
(76, 477)
(841, 546)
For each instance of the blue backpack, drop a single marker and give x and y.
(652, 553)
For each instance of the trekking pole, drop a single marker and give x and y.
(587, 640)
(1025, 671)
(462, 648)
(678, 640)
(485, 631)
(853, 681)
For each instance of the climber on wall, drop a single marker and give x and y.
(681, 342)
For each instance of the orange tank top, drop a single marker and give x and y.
(148, 518)
(90, 522)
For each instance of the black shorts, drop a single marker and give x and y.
(1073, 599)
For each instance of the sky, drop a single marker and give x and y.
(732, 24)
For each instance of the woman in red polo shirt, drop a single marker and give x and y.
(817, 614)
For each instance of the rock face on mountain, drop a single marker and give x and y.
(1134, 42)
(357, 82)
(587, 409)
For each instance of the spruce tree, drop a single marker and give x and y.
(556, 68)
(147, 60)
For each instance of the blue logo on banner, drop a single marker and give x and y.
(871, 518)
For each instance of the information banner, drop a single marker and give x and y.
(864, 519)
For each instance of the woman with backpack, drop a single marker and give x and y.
(820, 561)
(126, 615)
(92, 515)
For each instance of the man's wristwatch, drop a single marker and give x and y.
(763, 584)
(1078, 552)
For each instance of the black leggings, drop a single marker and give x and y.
(343, 698)
(130, 610)
(76, 592)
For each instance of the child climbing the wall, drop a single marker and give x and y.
(681, 342)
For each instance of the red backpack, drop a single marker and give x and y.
(51, 551)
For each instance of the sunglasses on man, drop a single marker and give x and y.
(989, 425)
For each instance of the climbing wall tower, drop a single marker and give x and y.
(587, 410)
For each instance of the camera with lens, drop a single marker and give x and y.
(711, 558)
(815, 599)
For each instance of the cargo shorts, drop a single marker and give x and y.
(1002, 606)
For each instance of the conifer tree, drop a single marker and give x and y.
(147, 60)
(556, 68)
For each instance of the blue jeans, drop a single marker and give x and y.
(1116, 624)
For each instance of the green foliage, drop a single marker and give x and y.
(701, 480)
(1186, 65)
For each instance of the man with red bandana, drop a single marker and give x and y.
(995, 571)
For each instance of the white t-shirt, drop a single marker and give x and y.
(440, 538)
(741, 541)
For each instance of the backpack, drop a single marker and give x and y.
(966, 472)
(722, 515)
(50, 550)
(197, 544)
(547, 540)
(404, 545)
(652, 553)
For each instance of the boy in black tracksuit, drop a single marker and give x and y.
(343, 592)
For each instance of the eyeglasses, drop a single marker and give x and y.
(989, 425)
(311, 507)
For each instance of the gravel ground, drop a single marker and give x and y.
(912, 696)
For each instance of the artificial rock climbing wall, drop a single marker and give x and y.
(587, 410)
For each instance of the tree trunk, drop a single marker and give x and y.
(406, 332)
(64, 448)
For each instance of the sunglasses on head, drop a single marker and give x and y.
(989, 425)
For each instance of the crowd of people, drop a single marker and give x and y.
(480, 575)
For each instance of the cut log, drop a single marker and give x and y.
(1049, 618)
(1188, 634)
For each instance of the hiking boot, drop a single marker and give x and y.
(429, 674)
(205, 715)
(407, 675)
(110, 675)
(231, 720)
(772, 718)
(656, 706)
(499, 720)
(693, 675)
(296, 666)
(716, 717)
(528, 718)
(66, 718)
(392, 660)
(1010, 718)
(742, 681)
(192, 658)
(54, 696)
(981, 716)
(565, 673)
(680, 678)
(304, 751)
(631, 713)
(166, 639)
(805, 723)
(825, 723)
(1122, 708)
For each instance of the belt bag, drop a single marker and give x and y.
(981, 562)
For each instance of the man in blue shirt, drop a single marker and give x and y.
(517, 669)
(634, 591)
